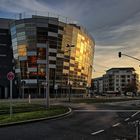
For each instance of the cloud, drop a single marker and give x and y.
(18, 6)
(114, 24)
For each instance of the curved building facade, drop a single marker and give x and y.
(70, 51)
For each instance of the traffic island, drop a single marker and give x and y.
(34, 116)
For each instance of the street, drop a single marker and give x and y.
(87, 122)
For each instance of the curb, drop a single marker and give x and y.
(37, 120)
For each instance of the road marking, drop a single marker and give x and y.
(106, 110)
(97, 132)
(135, 114)
(126, 119)
(117, 124)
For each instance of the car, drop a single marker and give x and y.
(129, 93)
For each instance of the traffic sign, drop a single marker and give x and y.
(10, 76)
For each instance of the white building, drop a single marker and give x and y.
(120, 80)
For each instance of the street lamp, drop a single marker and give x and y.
(23, 86)
(47, 77)
(69, 84)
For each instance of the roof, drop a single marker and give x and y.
(4, 23)
(98, 78)
(121, 68)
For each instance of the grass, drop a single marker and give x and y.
(20, 107)
(23, 112)
(101, 100)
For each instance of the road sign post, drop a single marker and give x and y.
(10, 77)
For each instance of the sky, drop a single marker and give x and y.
(114, 25)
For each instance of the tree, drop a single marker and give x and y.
(131, 87)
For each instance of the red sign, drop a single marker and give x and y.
(10, 76)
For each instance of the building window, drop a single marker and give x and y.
(122, 76)
(13, 30)
(22, 51)
(123, 80)
(32, 61)
(41, 53)
(53, 28)
(128, 80)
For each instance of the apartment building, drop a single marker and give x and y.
(97, 85)
(120, 80)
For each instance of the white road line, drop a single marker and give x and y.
(135, 114)
(126, 119)
(117, 124)
(97, 132)
(106, 110)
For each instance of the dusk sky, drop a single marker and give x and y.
(114, 24)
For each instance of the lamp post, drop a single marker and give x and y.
(47, 77)
(69, 84)
(23, 86)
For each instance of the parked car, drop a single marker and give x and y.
(129, 93)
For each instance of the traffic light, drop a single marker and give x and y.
(120, 54)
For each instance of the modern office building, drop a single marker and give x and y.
(6, 56)
(70, 51)
(120, 80)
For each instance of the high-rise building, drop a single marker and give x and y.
(70, 49)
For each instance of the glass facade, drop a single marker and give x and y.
(6, 56)
(71, 51)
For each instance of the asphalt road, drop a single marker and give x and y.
(88, 122)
